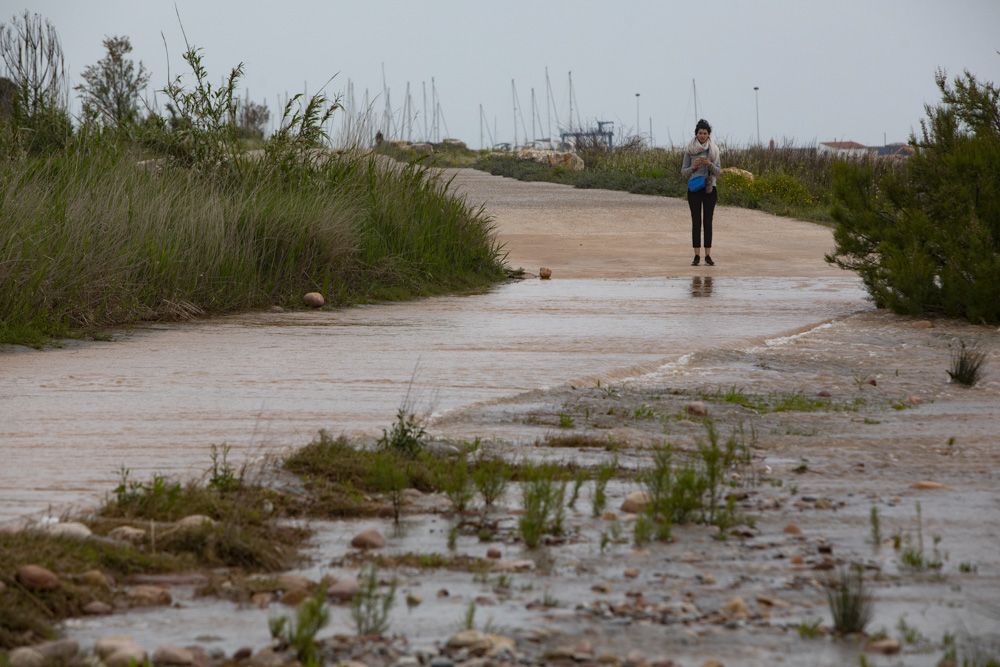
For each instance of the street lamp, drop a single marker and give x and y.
(638, 132)
(756, 103)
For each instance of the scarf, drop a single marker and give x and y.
(695, 148)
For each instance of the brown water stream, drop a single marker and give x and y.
(154, 400)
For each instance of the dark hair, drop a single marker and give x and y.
(702, 125)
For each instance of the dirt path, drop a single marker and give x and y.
(607, 234)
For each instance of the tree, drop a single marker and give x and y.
(252, 118)
(927, 239)
(33, 58)
(111, 87)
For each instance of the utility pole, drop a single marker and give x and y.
(756, 104)
(638, 128)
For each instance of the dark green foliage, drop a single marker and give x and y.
(927, 240)
(406, 437)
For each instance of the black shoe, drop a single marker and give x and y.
(696, 261)
(708, 260)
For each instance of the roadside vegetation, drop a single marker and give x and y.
(132, 216)
(926, 239)
(789, 180)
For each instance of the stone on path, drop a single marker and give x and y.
(635, 502)
(313, 299)
(368, 539)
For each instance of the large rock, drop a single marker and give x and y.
(128, 534)
(26, 656)
(172, 655)
(368, 539)
(97, 608)
(194, 521)
(344, 589)
(148, 596)
(60, 651)
(128, 656)
(564, 159)
(37, 578)
(313, 299)
(70, 529)
(106, 646)
(635, 502)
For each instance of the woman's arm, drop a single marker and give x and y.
(686, 168)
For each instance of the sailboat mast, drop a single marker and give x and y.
(570, 126)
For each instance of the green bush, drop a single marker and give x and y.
(927, 240)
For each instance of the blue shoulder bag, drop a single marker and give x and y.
(696, 183)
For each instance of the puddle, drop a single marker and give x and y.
(155, 400)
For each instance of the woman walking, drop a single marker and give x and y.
(701, 167)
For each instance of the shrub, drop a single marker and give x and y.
(928, 240)
(966, 364)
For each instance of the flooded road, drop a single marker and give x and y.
(156, 399)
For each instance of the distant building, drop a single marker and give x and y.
(854, 149)
(842, 148)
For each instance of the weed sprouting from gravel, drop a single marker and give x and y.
(370, 607)
(849, 600)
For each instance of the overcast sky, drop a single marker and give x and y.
(839, 69)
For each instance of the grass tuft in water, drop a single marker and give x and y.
(967, 365)
(849, 600)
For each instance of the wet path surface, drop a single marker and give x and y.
(158, 398)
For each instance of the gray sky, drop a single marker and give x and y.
(844, 69)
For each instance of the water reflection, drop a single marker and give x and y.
(701, 286)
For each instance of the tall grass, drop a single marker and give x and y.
(99, 235)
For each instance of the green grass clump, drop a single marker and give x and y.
(849, 601)
(967, 365)
(311, 616)
(543, 495)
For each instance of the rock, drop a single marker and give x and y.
(412, 599)
(148, 596)
(60, 651)
(441, 661)
(344, 589)
(608, 515)
(194, 521)
(773, 602)
(928, 485)
(479, 643)
(242, 653)
(545, 273)
(635, 502)
(824, 393)
(37, 578)
(738, 172)
(106, 646)
(736, 608)
(96, 579)
(26, 656)
(407, 661)
(565, 159)
(494, 553)
(276, 309)
(70, 529)
(465, 639)
(262, 600)
(631, 573)
(368, 539)
(886, 646)
(923, 324)
(913, 399)
(697, 409)
(172, 655)
(97, 608)
(635, 658)
(128, 534)
(797, 559)
(712, 662)
(293, 597)
(872, 381)
(313, 299)
(514, 566)
(126, 657)
(287, 582)
(601, 587)
(268, 657)
(792, 529)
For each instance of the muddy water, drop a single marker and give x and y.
(157, 398)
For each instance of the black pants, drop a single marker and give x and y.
(698, 201)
